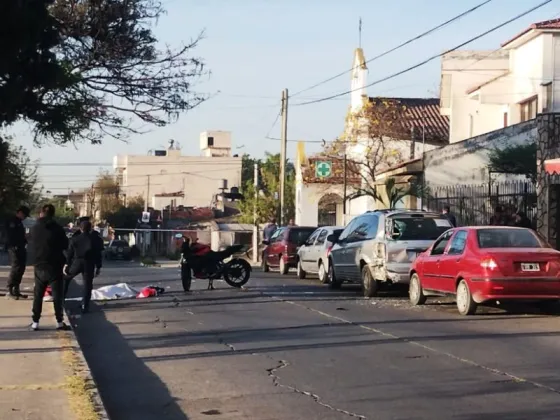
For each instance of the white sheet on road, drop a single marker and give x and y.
(113, 292)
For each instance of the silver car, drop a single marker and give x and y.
(313, 254)
(380, 246)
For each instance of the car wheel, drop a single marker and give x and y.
(465, 303)
(300, 271)
(415, 291)
(265, 267)
(370, 286)
(323, 275)
(283, 267)
(334, 283)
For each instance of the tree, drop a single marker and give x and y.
(520, 160)
(18, 178)
(31, 74)
(107, 192)
(127, 217)
(375, 134)
(248, 170)
(268, 201)
(82, 70)
(63, 214)
(394, 193)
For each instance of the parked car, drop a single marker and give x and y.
(480, 264)
(281, 250)
(118, 249)
(380, 246)
(313, 254)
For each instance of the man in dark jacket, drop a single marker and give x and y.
(48, 242)
(16, 247)
(84, 257)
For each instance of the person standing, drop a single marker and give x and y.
(48, 243)
(521, 220)
(84, 257)
(17, 251)
(269, 229)
(450, 216)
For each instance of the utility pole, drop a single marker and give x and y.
(255, 215)
(345, 187)
(147, 195)
(283, 147)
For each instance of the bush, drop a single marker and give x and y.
(174, 256)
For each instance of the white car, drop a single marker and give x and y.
(313, 254)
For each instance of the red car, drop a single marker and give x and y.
(486, 263)
(282, 249)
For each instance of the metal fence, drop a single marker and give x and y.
(474, 204)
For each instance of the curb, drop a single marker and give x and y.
(85, 371)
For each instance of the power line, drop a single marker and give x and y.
(428, 32)
(392, 76)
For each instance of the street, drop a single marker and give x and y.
(293, 349)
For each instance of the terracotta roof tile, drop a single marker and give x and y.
(544, 25)
(422, 114)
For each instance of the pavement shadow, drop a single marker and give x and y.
(128, 388)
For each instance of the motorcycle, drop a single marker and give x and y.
(203, 263)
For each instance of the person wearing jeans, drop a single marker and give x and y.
(16, 246)
(84, 257)
(48, 243)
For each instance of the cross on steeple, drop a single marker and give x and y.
(360, 33)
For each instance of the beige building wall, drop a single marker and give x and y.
(197, 177)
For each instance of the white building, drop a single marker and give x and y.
(191, 181)
(482, 91)
(419, 128)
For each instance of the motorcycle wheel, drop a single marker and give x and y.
(237, 272)
(186, 277)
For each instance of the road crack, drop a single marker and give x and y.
(272, 373)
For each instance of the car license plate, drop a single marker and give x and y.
(530, 267)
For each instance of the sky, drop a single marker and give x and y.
(256, 48)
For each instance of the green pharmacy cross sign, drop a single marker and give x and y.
(323, 169)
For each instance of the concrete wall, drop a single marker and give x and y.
(466, 162)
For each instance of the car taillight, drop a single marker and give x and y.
(489, 264)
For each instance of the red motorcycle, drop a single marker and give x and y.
(199, 260)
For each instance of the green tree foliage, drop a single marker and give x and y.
(126, 217)
(520, 160)
(267, 204)
(63, 213)
(18, 179)
(89, 69)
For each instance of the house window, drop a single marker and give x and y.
(528, 109)
(210, 141)
(548, 97)
(505, 119)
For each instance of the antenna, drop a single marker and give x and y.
(360, 33)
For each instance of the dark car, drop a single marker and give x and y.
(118, 250)
(281, 250)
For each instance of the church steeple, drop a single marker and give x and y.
(359, 80)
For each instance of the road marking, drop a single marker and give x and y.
(425, 347)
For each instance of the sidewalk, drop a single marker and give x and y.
(43, 373)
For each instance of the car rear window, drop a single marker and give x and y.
(420, 228)
(508, 238)
(299, 236)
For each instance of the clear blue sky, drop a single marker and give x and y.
(255, 48)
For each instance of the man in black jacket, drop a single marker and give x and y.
(84, 257)
(16, 245)
(48, 242)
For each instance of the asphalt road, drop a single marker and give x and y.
(292, 349)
